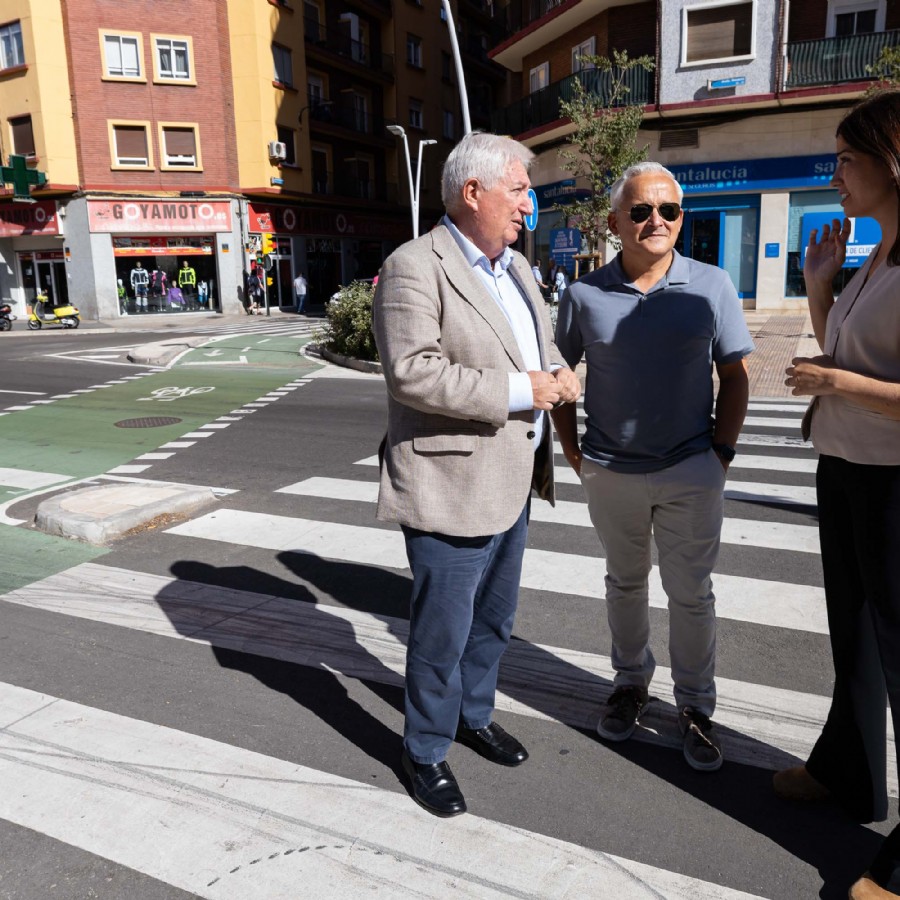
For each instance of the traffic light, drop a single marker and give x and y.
(268, 245)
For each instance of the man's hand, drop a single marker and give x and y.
(545, 390)
(569, 385)
(811, 376)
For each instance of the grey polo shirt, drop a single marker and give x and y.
(649, 393)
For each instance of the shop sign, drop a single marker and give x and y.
(154, 216)
(162, 246)
(559, 192)
(264, 218)
(784, 173)
(564, 244)
(865, 233)
(17, 219)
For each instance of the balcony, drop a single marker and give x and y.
(542, 107)
(346, 115)
(521, 13)
(339, 44)
(343, 185)
(835, 60)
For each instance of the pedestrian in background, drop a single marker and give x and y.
(465, 342)
(650, 325)
(536, 271)
(854, 422)
(300, 292)
(256, 285)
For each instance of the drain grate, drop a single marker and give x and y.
(148, 422)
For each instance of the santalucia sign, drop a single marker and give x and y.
(159, 216)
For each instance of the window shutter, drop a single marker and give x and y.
(131, 142)
(720, 32)
(180, 141)
(22, 136)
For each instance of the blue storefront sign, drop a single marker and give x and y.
(719, 83)
(865, 233)
(785, 173)
(564, 244)
(559, 192)
(773, 251)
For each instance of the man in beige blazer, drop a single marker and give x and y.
(465, 340)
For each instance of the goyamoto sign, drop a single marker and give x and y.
(28, 218)
(155, 216)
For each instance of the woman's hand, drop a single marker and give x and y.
(825, 256)
(811, 376)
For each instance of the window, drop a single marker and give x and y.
(414, 50)
(713, 33)
(22, 136)
(320, 170)
(12, 53)
(122, 56)
(178, 146)
(447, 67)
(449, 125)
(312, 22)
(129, 145)
(354, 37)
(284, 70)
(359, 108)
(315, 89)
(415, 114)
(539, 77)
(585, 48)
(173, 59)
(849, 17)
(286, 136)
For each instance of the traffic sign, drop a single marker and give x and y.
(532, 220)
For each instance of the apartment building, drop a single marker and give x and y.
(130, 114)
(742, 107)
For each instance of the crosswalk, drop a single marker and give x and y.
(275, 326)
(224, 821)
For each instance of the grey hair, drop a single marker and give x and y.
(486, 157)
(641, 168)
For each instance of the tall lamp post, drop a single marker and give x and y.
(400, 132)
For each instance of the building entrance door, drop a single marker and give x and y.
(51, 280)
(700, 237)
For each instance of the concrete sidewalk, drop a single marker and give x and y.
(779, 337)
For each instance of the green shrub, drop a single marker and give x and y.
(350, 322)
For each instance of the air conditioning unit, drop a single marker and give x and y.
(277, 150)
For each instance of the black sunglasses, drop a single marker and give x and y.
(640, 212)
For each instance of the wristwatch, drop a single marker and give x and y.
(726, 451)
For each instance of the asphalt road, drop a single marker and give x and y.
(335, 708)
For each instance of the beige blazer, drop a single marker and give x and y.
(456, 461)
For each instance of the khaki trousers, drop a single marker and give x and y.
(682, 507)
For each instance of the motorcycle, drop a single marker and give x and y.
(43, 314)
(6, 315)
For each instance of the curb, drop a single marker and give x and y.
(97, 515)
(162, 353)
(360, 365)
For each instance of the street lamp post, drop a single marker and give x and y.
(400, 132)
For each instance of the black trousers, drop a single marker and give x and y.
(859, 525)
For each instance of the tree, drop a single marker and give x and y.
(886, 69)
(603, 143)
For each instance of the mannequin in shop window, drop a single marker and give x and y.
(123, 297)
(157, 288)
(203, 294)
(187, 281)
(140, 282)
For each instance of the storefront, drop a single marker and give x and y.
(31, 253)
(329, 248)
(166, 253)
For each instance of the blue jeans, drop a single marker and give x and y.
(301, 302)
(465, 592)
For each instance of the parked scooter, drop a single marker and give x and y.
(44, 314)
(6, 315)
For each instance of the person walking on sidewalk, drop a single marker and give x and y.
(651, 324)
(465, 341)
(854, 422)
(300, 291)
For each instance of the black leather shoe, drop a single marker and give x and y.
(434, 787)
(493, 743)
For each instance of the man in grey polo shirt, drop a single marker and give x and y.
(651, 325)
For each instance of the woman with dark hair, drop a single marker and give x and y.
(855, 425)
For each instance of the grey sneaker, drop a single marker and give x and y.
(702, 748)
(623, 709)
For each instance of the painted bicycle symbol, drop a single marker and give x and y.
(167, 394)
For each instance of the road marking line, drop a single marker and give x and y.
(773, 603)
(127, 470)
(18, 408)
(63, 396)
(44, 402)
(176, 445)
(744, 532)
(27, 393)
(216, 425)
(155, 456)
(198, 434)
(21, 478)
(543, 682)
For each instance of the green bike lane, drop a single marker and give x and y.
(82, 436)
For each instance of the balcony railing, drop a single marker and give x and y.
(542, 106)
(835, 60)
(521, 13)
(342, 185)
(347, 116)
(340, 43)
